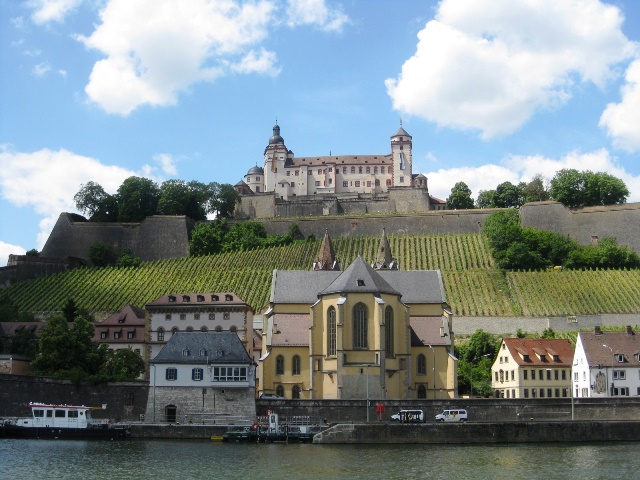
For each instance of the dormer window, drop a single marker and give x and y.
(172, 298)
(619, 357)
(228, 298)
(556, 358)
(360, 282)
(215, 298)
(543, 358)
(186, 298)
(200, 298)
(203, 352)
(121, 320)
(186, 352)
(525, 358)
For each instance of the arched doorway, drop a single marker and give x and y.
(170, 413)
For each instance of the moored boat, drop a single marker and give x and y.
(63, 421)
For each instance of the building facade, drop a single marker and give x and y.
(199, 312)
(532, 368)
(358, 333)
(607, 364)
(200, 376)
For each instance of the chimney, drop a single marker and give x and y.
(629, 330)
(597, 330)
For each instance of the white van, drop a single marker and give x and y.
(408, 416)
(457, 415)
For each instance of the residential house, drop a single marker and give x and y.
(199, 377)
(358, 333)
(532, 368)
(127, 328)
(607, 364)
(199, 312)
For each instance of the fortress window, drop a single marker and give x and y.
(368, 169)
(330, 169)
(345, 184)
(344, 169)
(212, 316)
(189, 328)
(375, 169)
(357, 183)
(226, 315)
(353, 169)
(310, 172)
(388, 182)
(359, 169)
(330, 181)
(167, 316)
(257, 179)
(368, 183)
(377, 182)
(196, 316)
(317, 183)
(257, 189)
(401, 146)
(288, 173)
(293, 184)
(319, 171)
(382, 169)
(183, 316)
(401, 179)
(297, 173)
(160, 335)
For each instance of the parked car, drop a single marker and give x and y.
(408, 416)
(454, 415)
(271, 396)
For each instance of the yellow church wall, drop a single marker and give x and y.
(288, 379)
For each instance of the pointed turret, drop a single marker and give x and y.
(327, 257)
(384, 260)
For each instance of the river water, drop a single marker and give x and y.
(160, 459)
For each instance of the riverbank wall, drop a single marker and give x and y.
(481, 433)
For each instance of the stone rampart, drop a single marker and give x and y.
(126, 401)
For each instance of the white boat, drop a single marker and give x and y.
(63, 421)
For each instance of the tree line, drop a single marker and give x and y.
(571, 187)
(138, 198)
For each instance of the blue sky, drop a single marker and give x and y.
(490, 90)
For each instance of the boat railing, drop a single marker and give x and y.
(199, 418)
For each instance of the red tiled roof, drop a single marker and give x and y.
(617, 343)
(538, 349)
(199, 299)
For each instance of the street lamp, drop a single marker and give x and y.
(607, 346)
(471, 379)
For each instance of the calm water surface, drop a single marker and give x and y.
(159, 459)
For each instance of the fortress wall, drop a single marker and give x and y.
(160, 237)
(620, 221)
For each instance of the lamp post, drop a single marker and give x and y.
(607, 346)
(154, 393)
(471, 376)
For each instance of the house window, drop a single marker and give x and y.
(421, 367)
(229, 374)
(212, 316)
(548, 374)
(619, 375)
(422, 391)
(171, 373)
(331, 331)
(330, 181)
(377, 182)
(541, 377)
(368, 170)
(160, 335)
(295, 365)
(357, 182)
(359, 169)
(525, 374)
(533, 374)
(279, 365)
(513, 377)
(526, 393)
(345, 184)
(103, 335)
(368, 183)
(183, 316)
(319, 171)
(564, 374)
(375, 169)
(196, 316)
(189, 328)
(295, 392)
(542, 393)
(293, 184)
(382, 169)
(388, 332)
(317, 183)
(117, 335)
(388, 182)
(280, 391)
(288, 173)
(555, 374)
(533, 393)
(360, 321)
(130, 335)
(557, 392)
(344, 169)
(549, 393)
(297, 173)
(204, 328)
(196, 374)
(621, 392)
(167, 316)
(218, 328)
(401, 179)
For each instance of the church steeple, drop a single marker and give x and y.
(326, 257)
(384, 259)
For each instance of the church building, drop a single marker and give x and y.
(370, 331)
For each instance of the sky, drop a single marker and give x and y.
(490, 90)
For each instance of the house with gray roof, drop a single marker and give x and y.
(202, 377)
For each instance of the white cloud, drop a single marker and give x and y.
(47, 180)
(7, 249)
(517, 169)
(178, 43)
(41, 69)
(622, 120)
(167, 163)
(261, 62)
(51, 10)
(488, 65)
(315, 12)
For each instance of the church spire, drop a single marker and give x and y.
(327, 257)
(384, 259)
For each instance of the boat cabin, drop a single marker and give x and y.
(61, 416)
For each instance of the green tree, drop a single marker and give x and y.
(97, 204)
(502, 228)
(32, 253)
(127, 259)
(245, 236)
(181, 198)
(474, 363)
(123, 364)
(582, 189)
(223, 200)
(24, 342)
(207, 238)
(535, 190)
(70, 310)
(548, 333)
(605, 254)
(486, 199)
(137, 199)
(102, 254)
(508, 195)
(460, 198)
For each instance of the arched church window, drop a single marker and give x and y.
(331, 332)
(360, 326)
(388, 332)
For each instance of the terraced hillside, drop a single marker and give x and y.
(473, 285)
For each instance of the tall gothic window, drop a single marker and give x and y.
(388, 332)
(360, 326)
(422, 391)
(295, 392)
(295, 365)
(422, 365)
(331, 332)
(279, 365)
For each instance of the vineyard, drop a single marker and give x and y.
(473, 285)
